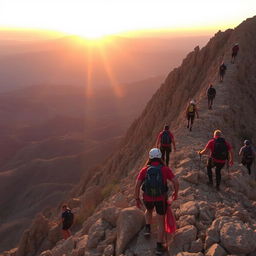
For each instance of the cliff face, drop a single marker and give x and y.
(209, 222)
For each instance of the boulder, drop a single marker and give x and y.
(129, 223)
(97, 233)
(109, 250)
(238, 238)
(110, 215)
(189, 208)
(186, 220)
(64, 247)
(189, 254)
(192, 177)
(182, 239)
(46, 253)
(196, 246)
(216, 250)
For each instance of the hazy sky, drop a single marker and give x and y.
(94, 18)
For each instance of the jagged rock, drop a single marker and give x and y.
(54, 234)
(196, 246)
(182, 239)
(97, 233)
(192, 177)
(216, 250)
(186, 220)
(129, 223)
(46, 253)
(110, 236)
(80, 246)
(212, 233)
(206, 212)
(32, 238)
(64, 247)
(189, 254)
(189, 208)
(109, 250)
(111, 215)
(238, 238)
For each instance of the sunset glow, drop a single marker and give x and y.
(96, 18)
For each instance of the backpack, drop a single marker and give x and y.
(248, 154)
(191, 108)
(211, 92)
(153, 183)
(222, 68)
(220, 151)
(69, 217)
(166, 138)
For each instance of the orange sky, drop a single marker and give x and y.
(95, 18)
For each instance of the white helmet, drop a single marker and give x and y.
(155, 153)
(192, 102)
(236, 43)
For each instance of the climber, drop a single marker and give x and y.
(190, 114)
(222, 71)
(220, 151)
(235, 51)
(211, 93)
(153, 179)
(247, 154)
(67, 218)
(165, 140)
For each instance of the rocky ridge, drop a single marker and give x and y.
(210, 223)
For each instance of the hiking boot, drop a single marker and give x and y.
(190, 129)
(218, 187)
(187, 126)
(160, 249)
(147, 231)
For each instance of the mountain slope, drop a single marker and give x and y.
(50, 137)
(207, 220)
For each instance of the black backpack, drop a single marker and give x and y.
(69, 217)
(153, 184)
(220, 151)
(166, 138)
(248, 154)
(211, 92)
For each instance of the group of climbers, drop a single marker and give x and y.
(152, 178)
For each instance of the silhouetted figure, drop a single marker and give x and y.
(222, 71)
(67, 218)
(247, 154)
(165, 140)
(191, 112)
(153, 179)
(211, 93)
(220, 152)
(235, 51)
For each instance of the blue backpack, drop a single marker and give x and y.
(153, 184)
(166, 138)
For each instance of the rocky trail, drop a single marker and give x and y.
(209, 222)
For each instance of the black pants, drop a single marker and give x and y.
(210, 101)
(248, 165)
(166, 153)
(218, 166)
(191, 117)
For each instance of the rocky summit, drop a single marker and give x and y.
(209, 222)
